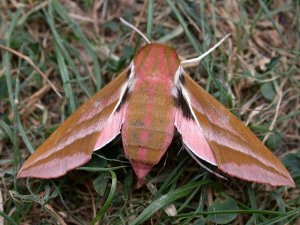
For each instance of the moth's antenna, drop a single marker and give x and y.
(199, 58)
(135, 29)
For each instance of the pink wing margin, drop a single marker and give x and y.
(91, 127)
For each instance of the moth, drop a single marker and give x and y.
(146, 104)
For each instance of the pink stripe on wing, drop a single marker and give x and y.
(112, 128)
(192, 137)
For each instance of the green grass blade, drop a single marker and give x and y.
(60, 49)
(169, 36)
(268, 13)
(166, 200)
(294, 214)
(189, 35)
(23, 135)
(7, 61)
(149, 19)
(65, 78)
(109, 199)
(82, 39)
(96, 169)
(7, 130)
(8, 218)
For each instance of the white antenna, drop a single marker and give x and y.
(135, 29)
(199, 58)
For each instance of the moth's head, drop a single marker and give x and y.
(155, 57)
(156, 60)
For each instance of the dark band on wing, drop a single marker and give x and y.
(124, 99)
(181, 103)
(182, 79)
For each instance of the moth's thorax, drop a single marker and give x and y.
(156, 62)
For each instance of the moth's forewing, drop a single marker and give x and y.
(238, 152)
(71, 145)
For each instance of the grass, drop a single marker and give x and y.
(80, 46)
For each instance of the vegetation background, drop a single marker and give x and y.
(55, 54)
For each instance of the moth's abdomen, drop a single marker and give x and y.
(146, 145)
(149, 125)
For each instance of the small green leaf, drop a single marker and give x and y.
(272, 64)
(127, 185)
(96, 162)
(292, 162)
(267, 91)
(274, 141)
(112, 25)
(100, 184)
(200, 221)
(115, 66)
(219, 205)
